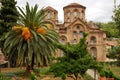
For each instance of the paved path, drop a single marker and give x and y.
(92, 74)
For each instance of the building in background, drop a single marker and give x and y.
(73, 27)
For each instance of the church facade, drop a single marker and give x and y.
(73, 27)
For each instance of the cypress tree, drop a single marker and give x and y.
(8, 17)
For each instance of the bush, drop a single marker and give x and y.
(110, 75)
(63, 76)
(102, 73)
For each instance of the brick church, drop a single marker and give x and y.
(73, 27)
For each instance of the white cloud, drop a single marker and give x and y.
(96, 10)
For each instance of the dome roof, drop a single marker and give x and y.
(74, 5)
(50, 8)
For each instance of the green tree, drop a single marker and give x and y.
(76, 60)
(110, 28)
(116, 16)
(114, 53)
(8, 17)
(30, 42)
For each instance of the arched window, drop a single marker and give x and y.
(49, 15)
(68, 14)
(82, 13)
(74, 33)
(93, 51)
(74, 41)
(92, 40)
(81, 33)
(75, 14)
(63, 41)
(78, 27)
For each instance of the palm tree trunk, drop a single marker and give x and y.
(27, 73)
(30, 67)
(32, 63)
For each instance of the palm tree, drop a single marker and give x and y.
(30, 41)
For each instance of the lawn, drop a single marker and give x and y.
(45, 75)
(114, 68)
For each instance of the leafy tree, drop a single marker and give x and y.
(76, 60)
(8, 17)
(114, 53)
(30, 42)
(98, 24)
(110, 28)
(116, 17)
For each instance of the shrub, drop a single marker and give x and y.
(102, 73)
(63, 76)
(110, 75)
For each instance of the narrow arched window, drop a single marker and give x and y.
(74, 33)
(49, 15)
(62, 41)
(74, 41)
(92, 40)
(78, 27)
(82, 13)
(75, 14)
(68, 14)
(81, 33)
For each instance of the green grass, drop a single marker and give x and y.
(114, 68)
(116, 71)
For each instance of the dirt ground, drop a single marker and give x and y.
(46, 77)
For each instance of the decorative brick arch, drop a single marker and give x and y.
(81, 27)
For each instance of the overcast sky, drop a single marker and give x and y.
(96, 10)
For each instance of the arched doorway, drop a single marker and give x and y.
(93, 52)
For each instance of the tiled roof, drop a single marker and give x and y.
(74, 5)
(50, 8)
